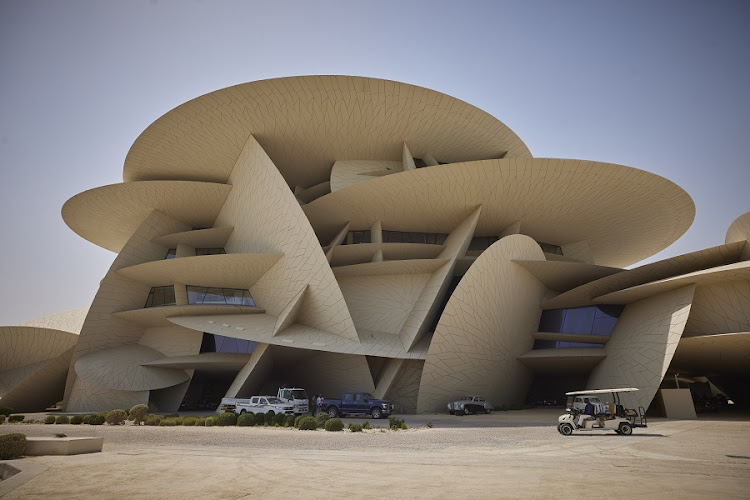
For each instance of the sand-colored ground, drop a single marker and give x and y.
(504, 455)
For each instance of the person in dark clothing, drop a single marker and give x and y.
(588, 412)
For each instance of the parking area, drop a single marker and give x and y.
(517, 454)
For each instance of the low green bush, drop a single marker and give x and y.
(297, 420)
(367, 426)
(268, 419)
(116, 417)
(76, 420)
(260, 418)
(396, 423)
(246, 420)
(189, 421)
(322, 417)
(16, 418)
(62, 419)
(279, 419)
(12, 446)
(210, 421)
(172, 415)
(308, 424)
(49, 419)
(86, 419)
(137, 413)
(201, 422)
(334, 425)
(153, 420)
(430, 425)
(354, 427)
(170, 422)
(6, 411)
(290, 421)
(2, 418)
(97, 419)
(226, 419)
(403, 426)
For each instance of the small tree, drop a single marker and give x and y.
(334, 425)
(137, 413)
(226, 419)
(308, 424)
(12, 446)
(62, 419)
(49, 419)
(246, 420)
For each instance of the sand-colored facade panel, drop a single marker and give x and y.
(66, 321)
(278, 225)
(642, 344)
(487, 324)
(722, 307)
(27, 345)
(739, 229)
(348, 173)
(713, 354)
(532, 191)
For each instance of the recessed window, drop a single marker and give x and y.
(160, 296)
(591, 320)
(560, 344)
(171, 253)
(414, 237)
(549, 248)
(209, 251)
(219, 296)
(356, 237)
(220, 343)
(419, 163)
(479, 244)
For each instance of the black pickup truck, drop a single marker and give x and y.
(352, 403)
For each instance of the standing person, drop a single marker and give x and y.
(314, 405)
(319, 402)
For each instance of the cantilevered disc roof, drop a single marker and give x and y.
(306, 123)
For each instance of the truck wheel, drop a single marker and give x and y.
(626, 429)
(487, 411)
(243, 411)
(333, 412)
(565, 429)
(376, 413)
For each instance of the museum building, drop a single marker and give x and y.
(343, 233)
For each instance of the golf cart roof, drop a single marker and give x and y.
(601, 391)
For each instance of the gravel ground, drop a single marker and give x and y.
(514, 454)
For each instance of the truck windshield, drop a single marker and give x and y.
(274, 401)
(299, 394)
(369, 396)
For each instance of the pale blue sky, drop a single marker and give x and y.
(661, 86)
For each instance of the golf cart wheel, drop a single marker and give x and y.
(565, 429)
(625, 429)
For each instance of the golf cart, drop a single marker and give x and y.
(607, 416)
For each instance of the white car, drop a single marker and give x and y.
(264, 404)
(469, 404)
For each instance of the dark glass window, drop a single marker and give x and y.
(160, 296)
(356, 237)
(479, 244)
(591, 320)
(209, 251)
(414, 237)
(559, 344)
(219, 296)
(220, 343)
(549, 248)
(419, 163)
(171, 253)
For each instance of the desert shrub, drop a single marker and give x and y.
(403, 426)
(268, 419)
(62, 419)
(430, 425)
(260, 418)
(366, 426)
(76, 420)
(116, 417)
(97, 419)
(189, 421)
(153, 419)
(17, 418)
(279, 419)
(210, 421)
(201, 422)
(86, 419)
(290, 419)
(49, 419)
(246, 420)
(322, 417)
(396, 423)
(12, 446)
(308, 424)
(225, 419)
(297, 420)
(170, 422)
(334, 425)
(172, 415)
(2, 418)
(137, 413)
(6, 411)
(354, 427)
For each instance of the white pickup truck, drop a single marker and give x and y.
(263, 404)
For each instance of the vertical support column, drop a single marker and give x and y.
(428, 160)
(180, 294)
(407, 159)
(376, 232)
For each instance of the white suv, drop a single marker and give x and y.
(264, 404)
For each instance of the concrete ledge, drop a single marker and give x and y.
(62, 446)
(26, 471)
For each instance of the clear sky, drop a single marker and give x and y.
(659, 85)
